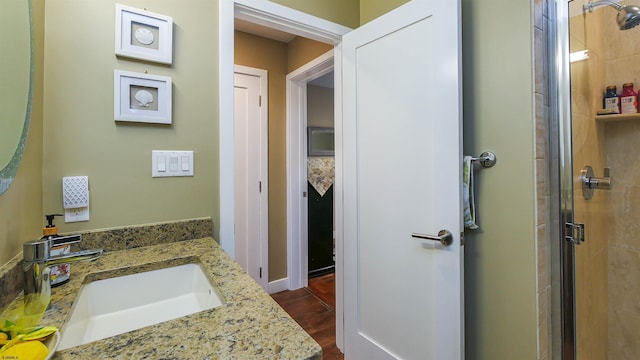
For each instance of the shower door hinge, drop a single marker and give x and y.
(575, 233)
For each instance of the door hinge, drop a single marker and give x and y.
(304, 194)
(575, 233)
(259, 100)
(260, 273)
(259, 186)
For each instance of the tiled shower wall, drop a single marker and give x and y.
(542, 23)
(623, 142)
(622, 64)
(591, 257)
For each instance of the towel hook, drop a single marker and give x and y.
(487, 159)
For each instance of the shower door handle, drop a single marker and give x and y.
(444, 237)
(574, 233)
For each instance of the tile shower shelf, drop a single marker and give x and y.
(617, 117)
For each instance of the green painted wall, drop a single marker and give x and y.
(15, 69)
(21, 216)
(371, 9)
(500, 267)
(82, 137)
(344, 12)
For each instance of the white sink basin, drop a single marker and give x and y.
(114, 306)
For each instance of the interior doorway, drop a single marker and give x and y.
(313, 115)
(285, 19)
(318, 71)
(320, 176)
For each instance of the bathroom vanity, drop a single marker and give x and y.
(248, 325)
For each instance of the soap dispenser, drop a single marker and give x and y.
(59, 273)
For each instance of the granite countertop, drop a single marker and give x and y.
(249, 325)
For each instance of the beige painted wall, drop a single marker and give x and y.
(21, 216)
(371, 9)
(320, 107)
(82, 137)
(344, 12)
(500, 257)
(271, 55)
(278, 59)
(302, 50)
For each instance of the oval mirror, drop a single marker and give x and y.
(16, 76)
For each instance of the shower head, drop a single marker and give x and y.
(628, 16)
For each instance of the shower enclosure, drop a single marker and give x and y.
(598, 267)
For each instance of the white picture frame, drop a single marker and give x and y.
(143, 35)
(142, 97)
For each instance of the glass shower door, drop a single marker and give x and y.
(606, 266)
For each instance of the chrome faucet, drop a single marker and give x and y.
(37, 259)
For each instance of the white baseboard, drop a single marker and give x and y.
(278, 285)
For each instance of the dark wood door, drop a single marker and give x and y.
(320, 220)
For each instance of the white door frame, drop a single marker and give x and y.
(262, 244)
(297, 224)
(282, 18)
(268, 14)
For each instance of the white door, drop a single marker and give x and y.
(402, 175)
(250, 138)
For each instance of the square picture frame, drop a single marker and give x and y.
(320, 141)
(143, 35)
(142, 97)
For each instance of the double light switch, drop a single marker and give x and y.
(165, 163)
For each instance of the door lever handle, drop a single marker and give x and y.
(444, 237)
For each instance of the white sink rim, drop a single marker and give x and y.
(153, 297)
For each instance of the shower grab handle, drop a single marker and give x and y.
(444, 237)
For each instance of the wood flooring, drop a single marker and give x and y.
(314, 309)
(324, 287)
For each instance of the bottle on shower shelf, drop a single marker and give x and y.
(611, 100)
(628, 100)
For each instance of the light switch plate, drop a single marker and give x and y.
(168, 163)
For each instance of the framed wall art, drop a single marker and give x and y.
(320, 141)
(144, 35)
(141, 97)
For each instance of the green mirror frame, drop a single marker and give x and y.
(8, 173)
